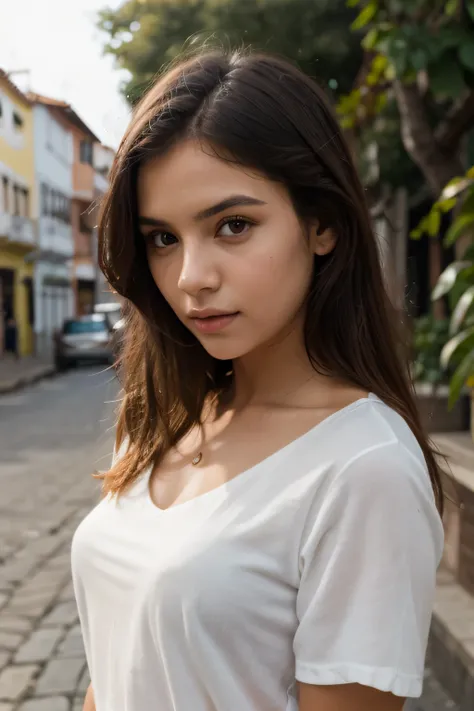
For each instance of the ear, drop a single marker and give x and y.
(322, 241)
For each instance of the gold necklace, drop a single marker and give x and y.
(198, 458)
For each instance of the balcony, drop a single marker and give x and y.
(101, 183)
(84, 194)
(20, 230)
(85, 270)
(56, 236)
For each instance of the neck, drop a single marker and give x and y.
(276, 375)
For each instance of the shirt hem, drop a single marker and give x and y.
(381, 678)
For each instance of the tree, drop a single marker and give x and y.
(419, 69)
(419, 56)
(144, 35)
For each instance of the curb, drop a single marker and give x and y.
(452, 663)
(23, 381)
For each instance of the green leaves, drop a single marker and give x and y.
(466, 55)
(461, 310)
(316, 35)
(451, 7)
(430, 224)
(433, 223)
(460, 376)
(430, 336)
(458, 281)
(454, 187)
(459, 227)
(448, 278)
(446, 78)
(370, 39)
(464, 340)
(365, 15)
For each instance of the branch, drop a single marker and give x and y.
(457, 122)
(438, 166)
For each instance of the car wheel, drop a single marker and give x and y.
(60, 364)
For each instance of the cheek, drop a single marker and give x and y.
(165, 278)
(280, 276)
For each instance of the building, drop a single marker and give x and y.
(82, 214)
(103, 160)
(54, 298)
(18, 211)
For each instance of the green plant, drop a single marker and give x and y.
(418, 72)
(457, 284)
(430, 336)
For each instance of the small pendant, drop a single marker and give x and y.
(197, 458)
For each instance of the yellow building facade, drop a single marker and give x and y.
(18, 213)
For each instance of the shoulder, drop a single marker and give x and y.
(370, 429)
(379, 456)
(378, 480)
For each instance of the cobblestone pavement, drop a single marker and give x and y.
(52, 435)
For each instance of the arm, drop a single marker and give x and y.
(346, 697)
(89, 703)
(368, 559)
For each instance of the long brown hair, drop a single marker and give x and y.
(262, 112)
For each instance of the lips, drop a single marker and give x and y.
(214, 322)
(220, 315)
(210, 313)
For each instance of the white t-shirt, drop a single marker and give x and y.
(318, 565)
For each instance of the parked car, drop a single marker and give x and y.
(112, 310)
(113, 313)
(87, 338)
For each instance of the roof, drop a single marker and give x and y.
(46, 100)
(66, 111)
(13, 87)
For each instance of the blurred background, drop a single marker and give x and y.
(400, 74)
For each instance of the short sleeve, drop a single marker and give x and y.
(368, 563)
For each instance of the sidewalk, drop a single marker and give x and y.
(15, 374)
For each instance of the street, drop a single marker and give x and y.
(52, 436)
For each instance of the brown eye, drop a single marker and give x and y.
(234, 227)
(160, 240)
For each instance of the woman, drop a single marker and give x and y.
(269, 534)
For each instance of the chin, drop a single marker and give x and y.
(225, 349)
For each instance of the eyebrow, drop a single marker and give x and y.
(232, 201)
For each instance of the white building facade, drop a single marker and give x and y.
(53, 293)
(103, 160)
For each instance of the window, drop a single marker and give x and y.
(85, 152)
(17, 121)
(51, 202)
(16, 200)
(49, 132)
(21, 199)
(44, 198)
(84, 226)
(26, 202)
(85, 326)
(28, 282)
(6, 201)
(66, 210)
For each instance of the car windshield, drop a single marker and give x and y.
(72, 328)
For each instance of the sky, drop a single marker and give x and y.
(58, 42)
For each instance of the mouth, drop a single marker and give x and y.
(215, 322)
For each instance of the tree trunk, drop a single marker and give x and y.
(438, 166)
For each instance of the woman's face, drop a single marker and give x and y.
(226, 249)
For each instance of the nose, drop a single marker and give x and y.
(199, 271)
